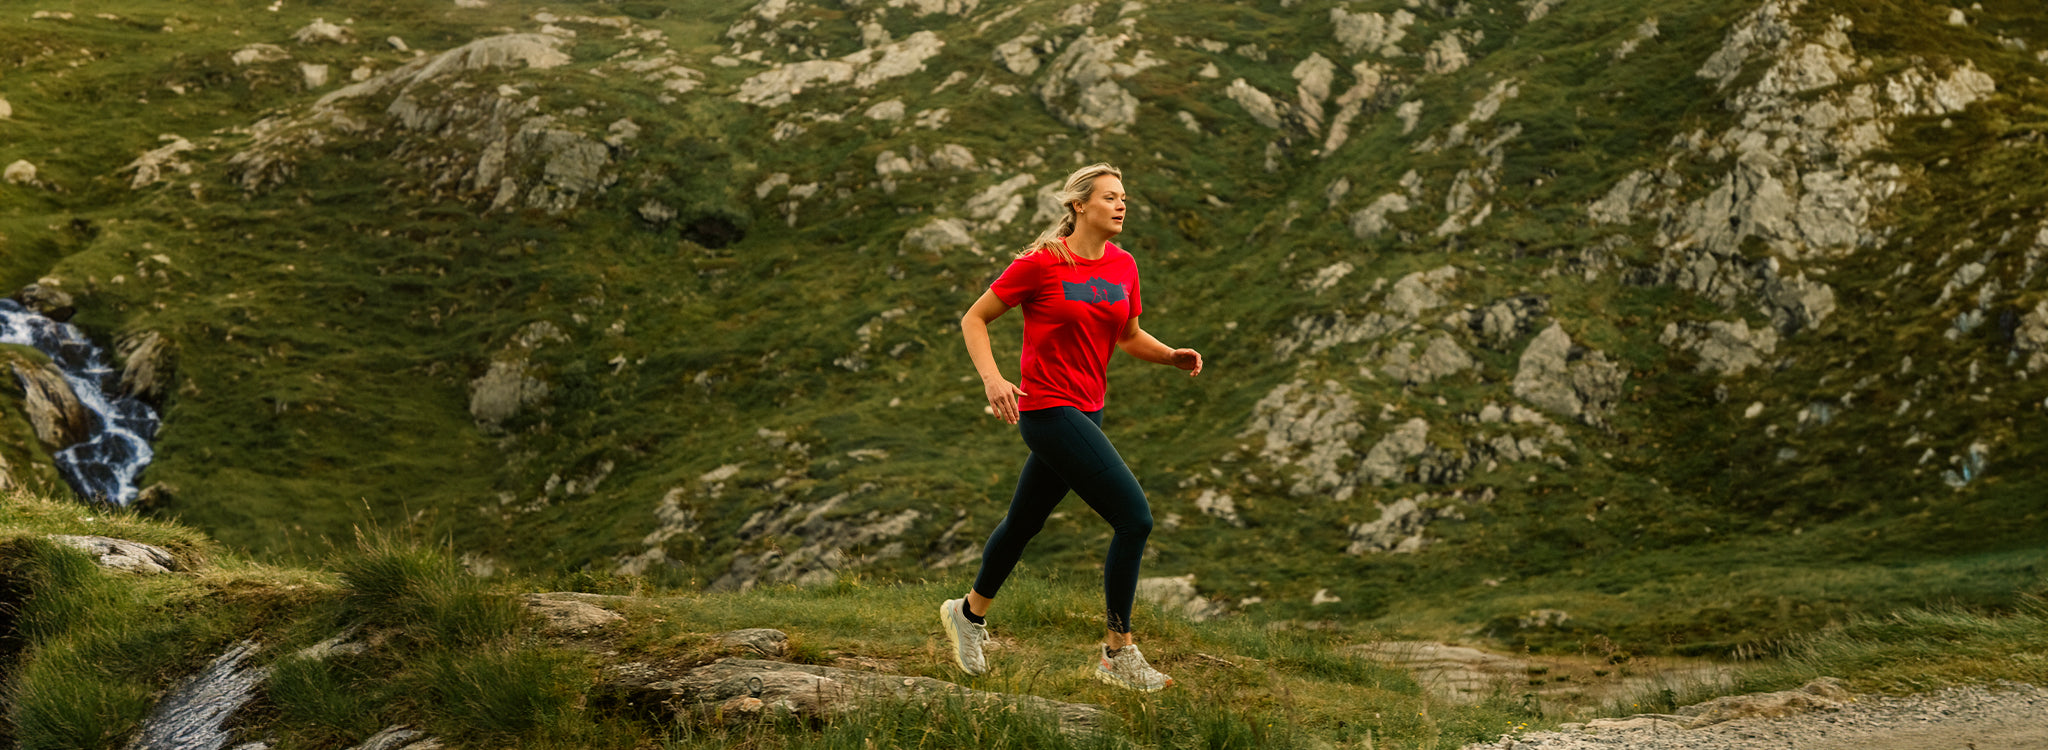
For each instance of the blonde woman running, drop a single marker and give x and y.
(1080, 299)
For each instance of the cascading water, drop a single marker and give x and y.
(104, 466)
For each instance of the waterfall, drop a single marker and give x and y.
(105, 465)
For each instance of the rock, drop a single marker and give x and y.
(656, 212)
(1416, 293)
(1399, 528)
(1177, 594)
(565, 613)
(748, 688)
(886, 111)
(1446, 55)
(151, 167)
(400, 737)
(6, 110)
(808, 546)
(1219, 505)
(1313, 77)
(1310, 429)
(939, 236)
(1255, 103)
(997, 206)
(1371, 32)
(1723, 348)
(147, 362)
(49, 302)
(315, 75)
(2031, 337)
(1567, 380)
(1441, 358)
(19, 173)
(396, 43)
(1464, 675)
(1387, 460)
(260, 53)
(1019, 55)
(1368, 222)
(1505, 320)
(60, 421)
(762, 641)
(1080, 86)
(775, 86)
(1823, 694)
(499, 395)
(320, 31)
(121, 553)
(194, 713)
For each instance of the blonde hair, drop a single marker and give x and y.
(1080, 186)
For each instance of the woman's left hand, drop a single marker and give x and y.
(1187, 359)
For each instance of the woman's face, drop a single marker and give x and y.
(1103, 212)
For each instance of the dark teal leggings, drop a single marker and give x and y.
(1069, 452)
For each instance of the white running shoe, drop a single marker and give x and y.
(1128, 669)
(966, 636)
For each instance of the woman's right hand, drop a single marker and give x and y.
(1002, 398)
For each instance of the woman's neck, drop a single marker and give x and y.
(1087, 244)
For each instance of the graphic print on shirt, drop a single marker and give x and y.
(1097, 291)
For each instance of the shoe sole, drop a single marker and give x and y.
(1111, 679)
(953, 637)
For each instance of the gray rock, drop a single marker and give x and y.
(20, 173)
(399, 737)
(767, 642)
(121, 553)
(194, 714)
(938, 236)
(1568, 380)
(656, 212)
(503, 391)
(1500, 323)
(54, 411)
(731, 689)
(1019, 55)
(1443, 357)
(48, 302)
(829, 545)
(258, 53)
(6, 110)
(567, 613)
(1256, 103)
(320, 31)
(151, 167)
(1080, 85)
(1177, 594)
(1310, 429)
(1371, 32)
(1387, 461)
(1723, 348)
(148, 361)
(1368, 222)
(1219, 505)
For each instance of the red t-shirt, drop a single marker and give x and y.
(1072, 317)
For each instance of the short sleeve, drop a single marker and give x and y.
(1019, 281)
(1137, 300)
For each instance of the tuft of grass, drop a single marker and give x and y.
(501, 694)
(425, 592)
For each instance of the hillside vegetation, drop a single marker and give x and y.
(1573, 325)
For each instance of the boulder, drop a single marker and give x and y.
(260, 53)
(19, 173)
(151, 166)
(1387, 460)
(1504, 320)
(1256, 103)
(767, 642)
(731, 689)
(939, 236)
(567, 613)
(320, 31)
(147, 362)
(402, 737)
(1080, 85)
(499, 395)
(6, 110)
(1441, 358)
(48, 302)
(121, 553)
(1723, 348)
(1371, 32)
(1567, 380)
(60, 421)
(1178, 594)
(1823, 694)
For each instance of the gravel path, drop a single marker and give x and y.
(2005, 716)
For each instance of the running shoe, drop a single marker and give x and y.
(966, 636)
(1128, 669)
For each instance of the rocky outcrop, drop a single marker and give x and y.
(1568, 380)
(148, 360)
(744, 689)
(512, 382)
(1401, 525)
(49, 302)
(122, 554)
(194, 715)
(60, 421)
(830, 544)
(494, 145)
(862, 70)
(1442, 357)
(153, 165)
(767, 642)
(1080, 85)
(1723, 348)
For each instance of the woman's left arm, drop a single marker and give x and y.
(1137, 343)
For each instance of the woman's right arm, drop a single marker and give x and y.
(1002, 395)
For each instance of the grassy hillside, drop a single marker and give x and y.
(777, 342)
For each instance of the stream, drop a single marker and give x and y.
(104, 467)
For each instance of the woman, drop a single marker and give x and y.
(1080, 297)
